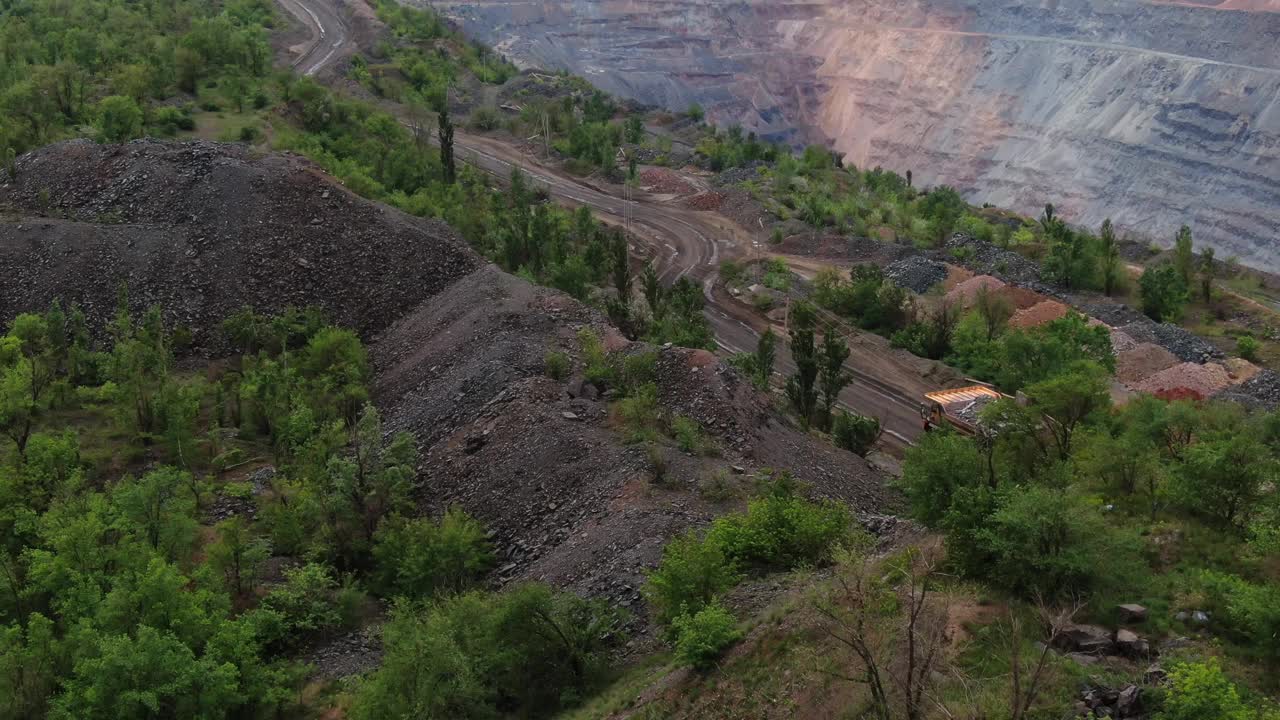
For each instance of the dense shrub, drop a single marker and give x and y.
(855, 433)
(419, 558)
(691, 575)
(781, 531)
(701, 637)
(528, 652)
(556, 365)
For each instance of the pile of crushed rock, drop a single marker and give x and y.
(916, 273)
(203, 229)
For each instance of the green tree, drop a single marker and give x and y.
(1184, 256)
(935, 467)
(1070, 399)
(119, 118)
(30, 660)
(994, 309)
(1223, 477)
(1164, 293)
(766, 348)
(1112, 267)
(832, 377)
(148, 675)
(360, 490)
(1207, 272)
(238, 555)
(445, 134)
(652, 288)
(801, 387)
(1041, 540)
(158, 510)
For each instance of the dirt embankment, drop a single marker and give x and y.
(203, 229)
(458, 347)
(545, 463)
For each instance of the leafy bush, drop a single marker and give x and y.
(855, 433)
(300, 609)
(595, 360)
(688, 434)
(1247, 347)
(777, 276)
(1248, 613)
(1200, 691)
(528, 652)
(419, 558)
(692, 574)
(781, 530)
(933, 470)
(556, 364)
(702, 637)
(639, 369)
(639, 412)
(1040, 540)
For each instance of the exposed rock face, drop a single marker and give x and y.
(1153, 113)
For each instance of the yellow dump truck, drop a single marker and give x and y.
(957, 408)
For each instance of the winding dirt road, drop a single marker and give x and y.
(684, 243)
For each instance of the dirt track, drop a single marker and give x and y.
(685, 242)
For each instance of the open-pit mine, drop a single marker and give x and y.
(1152, 113)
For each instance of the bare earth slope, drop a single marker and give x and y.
(457, 346)
(206, 228)
(1153, 113)
(546, 466)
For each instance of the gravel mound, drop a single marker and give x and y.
(987, 259)
(1122, 341)
(1141, 361)
(203, 229)
(1188, 377)
(662, 180)
(1187, 346)
(1113, 314)
(1038, 314)
(709, 200)
(736, 175)
(916, 273)
(1260, 392)
(966, 293)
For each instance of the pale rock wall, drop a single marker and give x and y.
(1153, 113)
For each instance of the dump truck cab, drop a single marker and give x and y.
(957, 408)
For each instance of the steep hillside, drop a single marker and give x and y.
(545, 462)
(205, 228)
(1154, 114)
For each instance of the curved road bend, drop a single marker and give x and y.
(328, 29)
(686, 242)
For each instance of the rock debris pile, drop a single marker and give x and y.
(916, 273)
(203, 229)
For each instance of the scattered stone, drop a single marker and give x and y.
(569, 415)
(1132, 613)
(1090, 639)
(1130, 645)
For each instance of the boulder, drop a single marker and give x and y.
(1088, 639)
(1129, 644)
(1129, 702)
(1132, 613)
